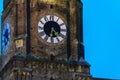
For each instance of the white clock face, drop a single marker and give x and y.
(52, 29)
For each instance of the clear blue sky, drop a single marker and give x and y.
(101, 36)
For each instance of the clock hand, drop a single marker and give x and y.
(56, 33)
(53, 31)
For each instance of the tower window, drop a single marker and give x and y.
(51, 6)
(51, 78)
(51, 57)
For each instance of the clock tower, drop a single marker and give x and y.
(43, 40)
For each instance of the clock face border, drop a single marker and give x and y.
(52, 34)
(6, 37)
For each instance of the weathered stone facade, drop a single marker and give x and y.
(29, 57)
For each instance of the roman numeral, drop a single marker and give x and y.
(42, 33)
(62, 24)
(52, 40)
(51, 18)
(42, 22)
(60, 38)
(63, 30)
(57, 39)
(46, 38)
(61, 35)
(57, 20)
(46, 19)
(40, 28)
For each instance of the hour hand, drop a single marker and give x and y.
(56, 33)
(51, 34)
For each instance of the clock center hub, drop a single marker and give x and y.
(52, 29)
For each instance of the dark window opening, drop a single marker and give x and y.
(51, 57)
(51, 6)
(52, 78)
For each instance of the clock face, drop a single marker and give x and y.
(52, 29)
(6, 37)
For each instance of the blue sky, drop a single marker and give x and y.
(101, 21)
(102, 36)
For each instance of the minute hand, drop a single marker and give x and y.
(53, 32)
